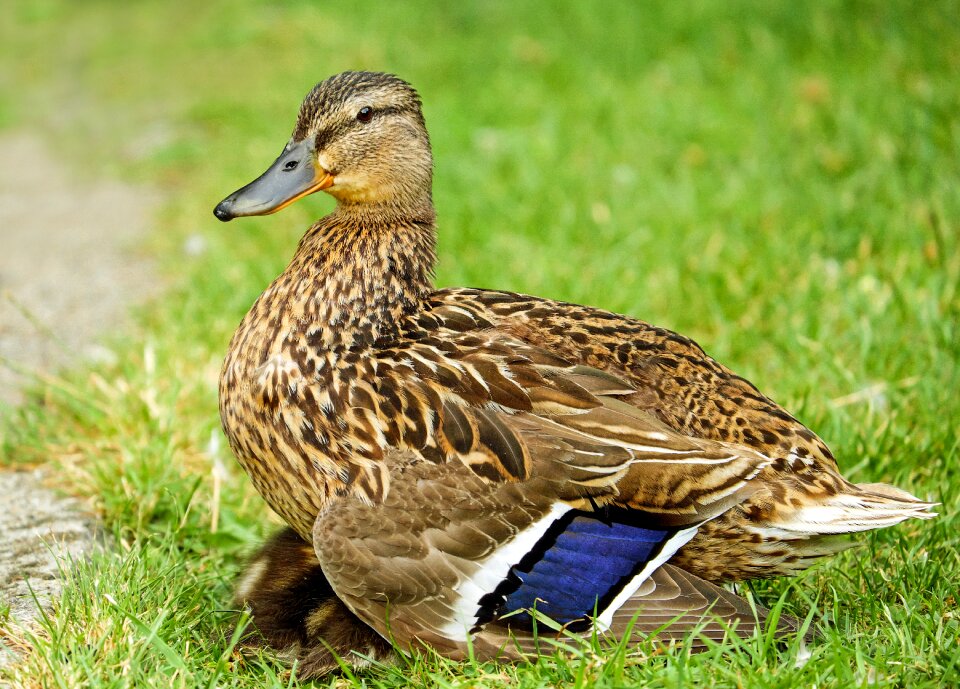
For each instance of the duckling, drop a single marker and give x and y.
(297, 615)
(468, 463)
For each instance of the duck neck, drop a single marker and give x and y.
(360, 270)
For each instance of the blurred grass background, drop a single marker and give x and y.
(780, 181)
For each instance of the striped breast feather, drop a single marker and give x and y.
(583, 565)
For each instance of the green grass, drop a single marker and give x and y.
(780, 181)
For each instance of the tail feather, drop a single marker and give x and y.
(862, 507)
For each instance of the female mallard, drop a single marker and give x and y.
(456, 455)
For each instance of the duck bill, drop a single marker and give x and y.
(292, 176)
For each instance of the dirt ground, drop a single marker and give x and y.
(68, 265)
(69, 271)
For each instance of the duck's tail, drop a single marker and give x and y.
(820, 527)
(795, 528)
(861, 507)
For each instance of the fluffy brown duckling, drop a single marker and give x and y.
(296, 613)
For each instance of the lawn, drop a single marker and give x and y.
(779, 181)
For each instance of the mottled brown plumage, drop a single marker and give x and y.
(361, 401)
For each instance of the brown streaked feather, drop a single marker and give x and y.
(457, 429)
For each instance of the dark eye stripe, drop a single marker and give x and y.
(325, 136)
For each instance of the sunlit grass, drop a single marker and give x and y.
(779, 181)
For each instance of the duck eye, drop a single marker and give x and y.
(365, 114)
(291, 165)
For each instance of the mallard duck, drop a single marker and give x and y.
(466, 463)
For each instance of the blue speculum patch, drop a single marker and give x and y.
(578, 567)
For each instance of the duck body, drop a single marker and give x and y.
(465, 460)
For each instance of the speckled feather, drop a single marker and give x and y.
(355, 391)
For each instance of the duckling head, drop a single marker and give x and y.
(360, 137)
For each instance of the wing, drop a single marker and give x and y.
(511, 411)
(451, 560)
(673, 378)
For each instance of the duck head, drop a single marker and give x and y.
(360, 137)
